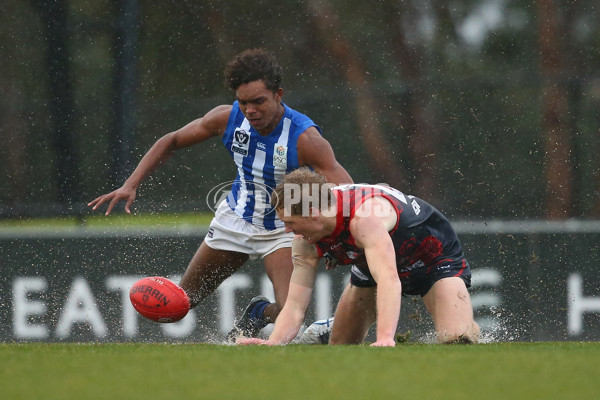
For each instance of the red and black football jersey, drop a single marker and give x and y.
(422, 235)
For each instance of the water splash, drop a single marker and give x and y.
(498, 327)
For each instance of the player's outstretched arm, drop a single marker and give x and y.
(302, 282)
(212, 124)
(290, 320)
(123, 193)
(371, 233)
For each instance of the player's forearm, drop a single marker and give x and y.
(389, 295)
(158, 154)
(292, 315)
(286, 328)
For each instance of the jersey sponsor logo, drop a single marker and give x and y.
(415, 265)
(280, 155)
(261, 146)
(241, 142)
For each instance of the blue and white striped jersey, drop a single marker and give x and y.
(261, 162)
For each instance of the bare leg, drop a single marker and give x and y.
(278, 266)
(355, 313)
(207, 270)
(449, 304)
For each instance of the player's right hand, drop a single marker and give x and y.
(113, 198)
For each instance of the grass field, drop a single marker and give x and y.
(115, 220)
(201, 371)
(506, 371)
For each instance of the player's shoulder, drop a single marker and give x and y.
(302, 121)
(217, 118)
(373, 210)
(311, 146)
(310, 138)
(220, 111)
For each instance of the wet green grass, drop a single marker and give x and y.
(114, 220)
(202, 371)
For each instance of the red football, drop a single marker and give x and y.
(159, 299)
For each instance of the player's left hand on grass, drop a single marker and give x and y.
(250, 341)
(384, 343)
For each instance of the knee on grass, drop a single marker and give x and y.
(469, 337)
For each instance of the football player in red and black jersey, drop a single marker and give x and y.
(395, 244)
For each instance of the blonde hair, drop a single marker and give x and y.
(313, 190)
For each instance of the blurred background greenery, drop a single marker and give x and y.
(489, 109)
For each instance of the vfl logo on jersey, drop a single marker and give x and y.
(280, 156)
(241, 142)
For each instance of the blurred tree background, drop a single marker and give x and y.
(489, 109)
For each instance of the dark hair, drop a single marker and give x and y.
(253, 65)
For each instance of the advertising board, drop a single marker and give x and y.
(531, 282)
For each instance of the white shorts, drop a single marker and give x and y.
(230, 232)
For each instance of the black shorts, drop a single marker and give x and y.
(418, 279)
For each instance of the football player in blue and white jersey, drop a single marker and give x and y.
(266, 139)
